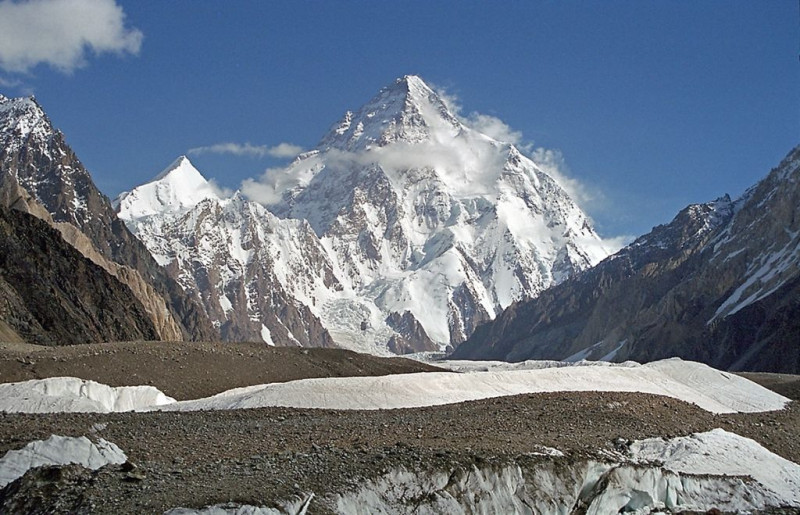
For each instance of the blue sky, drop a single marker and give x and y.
(653, 104)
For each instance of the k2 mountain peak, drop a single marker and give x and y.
(406, 111)
(413, 229)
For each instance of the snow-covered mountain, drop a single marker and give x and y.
(178, 188)
(416, 228)
(41, 175)
(718, 284)
(251, 269)
(432, 221)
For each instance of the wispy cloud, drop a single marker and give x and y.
(60, 33)
(553, 164)
(484, 123)
(498, 129)
(10, 83)
(269, 187)
(282, 150)
(15, 85)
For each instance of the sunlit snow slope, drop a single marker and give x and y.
(418, 228)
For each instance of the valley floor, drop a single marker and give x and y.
(259, 456)
(191, 370)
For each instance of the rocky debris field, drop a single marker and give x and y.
(787, 385)
(191, 370)
(265, 456)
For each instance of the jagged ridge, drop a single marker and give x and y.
(37, 164)
(719, 284)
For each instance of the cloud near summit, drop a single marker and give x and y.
(281, 150)
(60, 33)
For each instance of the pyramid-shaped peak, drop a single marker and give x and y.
(176, 189)
(407, 111)
(181, 167)
(21, 118)
(412, 84)
(20, 102)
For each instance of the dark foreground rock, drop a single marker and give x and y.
(52, 295)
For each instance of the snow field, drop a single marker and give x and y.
(710, 389)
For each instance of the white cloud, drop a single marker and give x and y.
(497, 129)
(451, 100)
(269, 187)
(220, 191)
(282, 150)
(553, 164)
(60, 33)
(486, 124)
(10, 83)
(285, 150)
(615, 243)
(236, 149)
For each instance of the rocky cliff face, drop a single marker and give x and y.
(719, 284)
(39, 169)
(52, 295)
(415, 229)
(248, 267)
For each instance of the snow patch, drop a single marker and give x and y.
(71, 394)
(59, 450)
(266, 336)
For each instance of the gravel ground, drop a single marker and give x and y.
(265, 455)
(189, 370)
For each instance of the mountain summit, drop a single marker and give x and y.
(178, 188)
(408, 111)
(431, 220)
(414, 229)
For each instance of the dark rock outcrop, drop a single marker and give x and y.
(40, 168)
(411, 336)
(50, 294)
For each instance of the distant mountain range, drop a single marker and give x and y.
(404, 229)
(719, 284)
